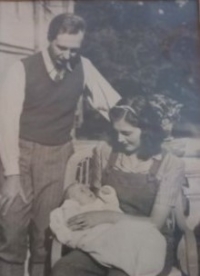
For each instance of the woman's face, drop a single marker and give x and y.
(128, 135)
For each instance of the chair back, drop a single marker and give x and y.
(78, 166)
(77, 169)
(187, 249)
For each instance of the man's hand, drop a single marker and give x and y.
(9, 191)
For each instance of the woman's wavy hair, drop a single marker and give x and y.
(138, 111)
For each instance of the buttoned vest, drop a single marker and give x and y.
(49, 107)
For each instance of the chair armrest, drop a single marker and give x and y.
(56, 251)
(192, 265)
(191, 252)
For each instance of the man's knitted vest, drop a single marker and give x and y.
(49, 107)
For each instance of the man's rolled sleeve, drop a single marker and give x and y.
(102, 96)
(11, 102)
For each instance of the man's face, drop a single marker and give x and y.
(65, 48)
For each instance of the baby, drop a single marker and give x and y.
(107, 242)
(80, 199)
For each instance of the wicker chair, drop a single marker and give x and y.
(78, 168)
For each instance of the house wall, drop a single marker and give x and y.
(23, 28)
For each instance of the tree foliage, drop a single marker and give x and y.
(146, 47)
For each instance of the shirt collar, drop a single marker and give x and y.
(51, 70)
(157, 157)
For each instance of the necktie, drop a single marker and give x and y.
(60, 75)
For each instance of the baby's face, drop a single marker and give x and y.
(81, 194)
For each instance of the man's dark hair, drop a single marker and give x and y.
(65, 23)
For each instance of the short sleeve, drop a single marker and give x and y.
(171, 176)
(102, 95)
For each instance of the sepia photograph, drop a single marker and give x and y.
(100, 138)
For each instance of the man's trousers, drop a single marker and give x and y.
(42, 171)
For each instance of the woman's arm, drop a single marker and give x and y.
(171, 181)
(94, 218)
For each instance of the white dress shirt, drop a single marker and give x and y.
(102, 97)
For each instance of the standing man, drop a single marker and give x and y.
(37, 107)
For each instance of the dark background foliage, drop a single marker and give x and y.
(145, 47)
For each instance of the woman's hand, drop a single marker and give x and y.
(93, 218)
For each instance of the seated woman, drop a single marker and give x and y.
(147, 184)
(106, 242)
